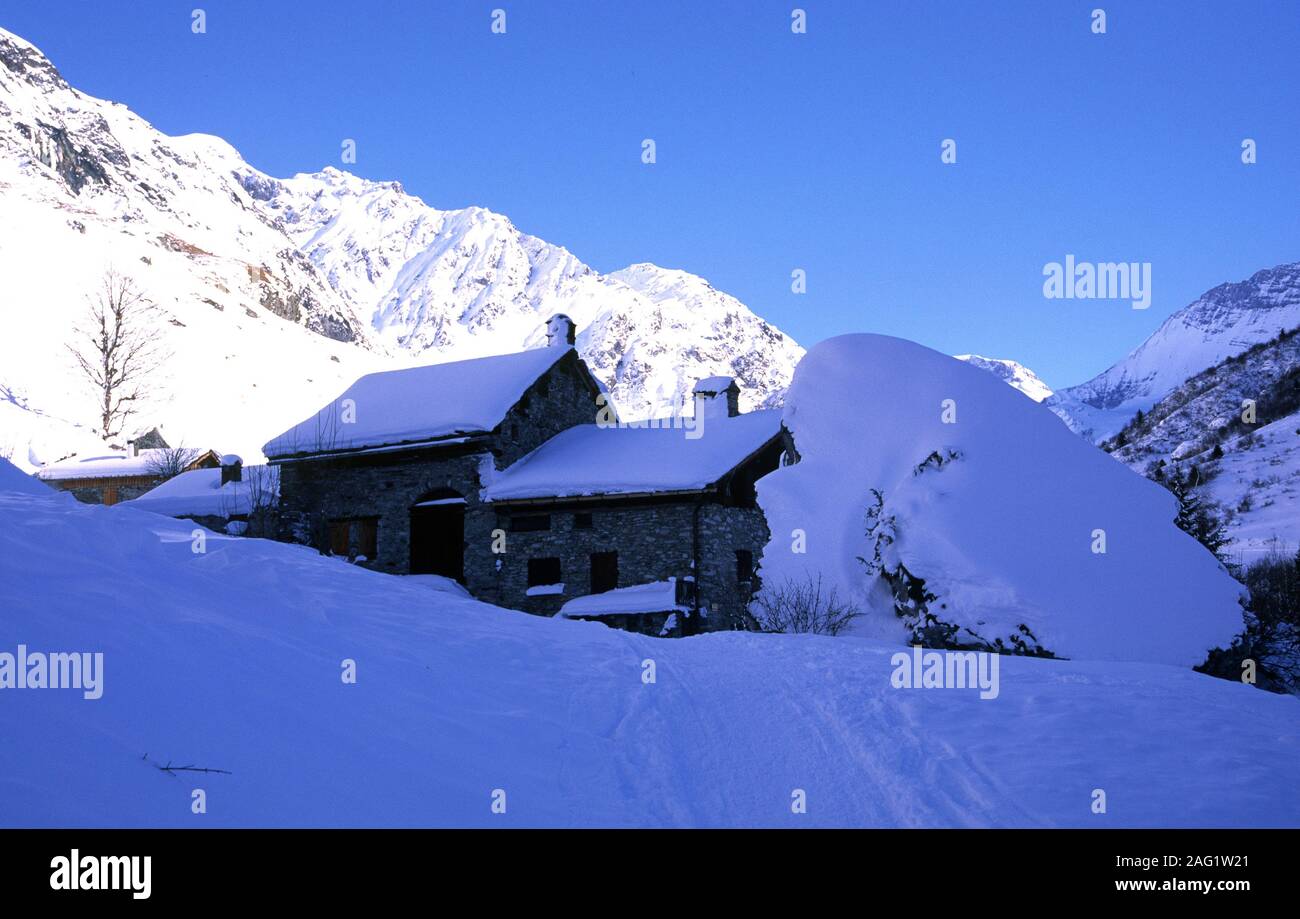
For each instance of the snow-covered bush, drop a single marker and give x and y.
(802, 607)
(988, 523)
(919, 609)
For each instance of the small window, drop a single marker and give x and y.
(582, 521)
(366, 532)
(744, 565)
(604, 571)
(530, 524)
(544, 571)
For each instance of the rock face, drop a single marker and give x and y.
(1223, 322)
(98, 161)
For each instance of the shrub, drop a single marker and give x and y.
(802, 607)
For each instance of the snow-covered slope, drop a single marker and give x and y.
(1257, 483)
(468, 283)
(1222, 322)
(86, 185)
(261, 331)
(945, 476)
(1013, 374)
(231, 659)
(1252, 468)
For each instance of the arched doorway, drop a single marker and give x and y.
(438, 534)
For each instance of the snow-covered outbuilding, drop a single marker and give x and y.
(514, 475)
(224, 498)
(122, 475)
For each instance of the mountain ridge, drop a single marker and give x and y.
(263, 319)
(1222, 322)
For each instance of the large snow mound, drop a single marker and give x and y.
(230, 658)
(998, 509)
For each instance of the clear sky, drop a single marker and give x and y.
(775, 150)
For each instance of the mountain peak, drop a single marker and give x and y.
(1222, 322)
(1014, 374)
(28, 63)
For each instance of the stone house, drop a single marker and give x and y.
(514, 475)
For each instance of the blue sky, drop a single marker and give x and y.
(775, 151)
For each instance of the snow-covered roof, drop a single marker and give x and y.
(200, 493)
(658, 597)
(715, 384)
(108, 465)
(593, 460)
(418, 404)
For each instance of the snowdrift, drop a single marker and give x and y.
(230, 658)
(919, 466)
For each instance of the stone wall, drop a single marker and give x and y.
(654, 541)
(97, 491)
(313, 492)
(723, 530)
(653, 544)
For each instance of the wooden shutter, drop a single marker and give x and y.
(340, 530)
(369, 538)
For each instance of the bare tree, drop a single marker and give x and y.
(169, 462)
(116, 347)
(802, 606)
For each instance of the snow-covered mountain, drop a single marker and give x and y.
(469, 283)
(252, 328)
(273, 295)
(1018, 376)
(1222, 322)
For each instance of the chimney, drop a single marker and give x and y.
(560, 331)
(232, 469)
(131, 450)
(717, 397)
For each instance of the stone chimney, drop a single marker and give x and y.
(717, 397)
(232, 469)
(131, 450)
(560, 331)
